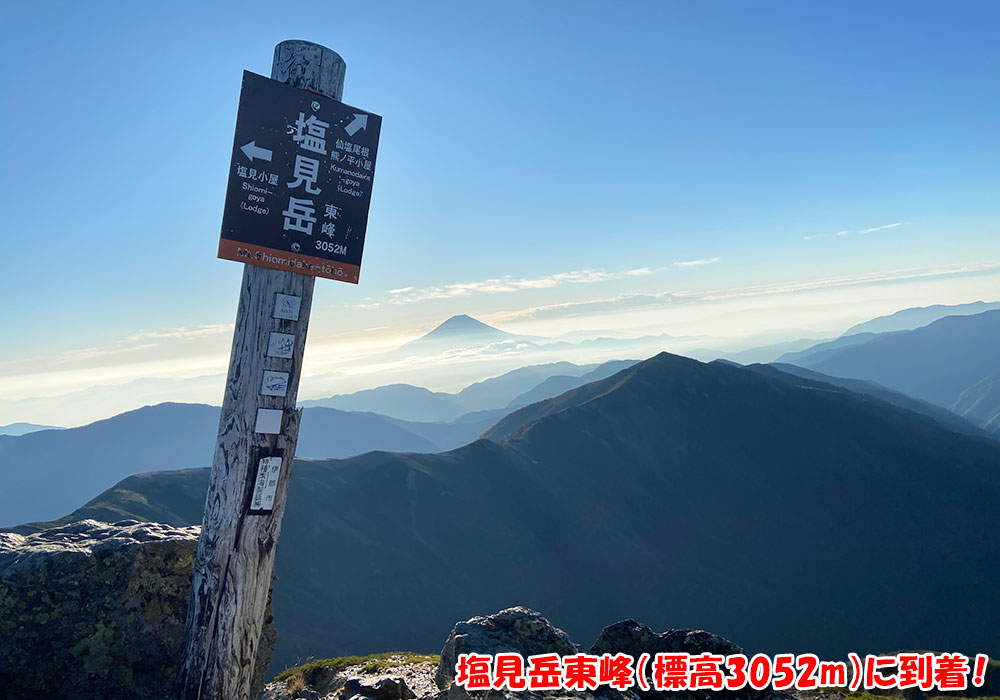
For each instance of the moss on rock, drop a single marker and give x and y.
(91, 610)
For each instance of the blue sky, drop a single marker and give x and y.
(561, 156)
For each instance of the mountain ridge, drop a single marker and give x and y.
(413, 403)
(980, 403)
(919, 316)
(782, 511)
(176, 436)
(22, 428)
(933, 363)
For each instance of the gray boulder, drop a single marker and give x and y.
(96, 611)
(512, 630)
(635, 639)
(631, 637)
(384, 689)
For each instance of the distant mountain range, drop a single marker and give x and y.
(959, 423)
(950, 363)
(463, 349)
(793, 350)
(49, 472)
(934, 363)
(820, 351)
(786, 512)
(916, 317)
(24, 428)
(560, 383)
(510, 390)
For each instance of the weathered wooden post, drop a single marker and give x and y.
(259, 423)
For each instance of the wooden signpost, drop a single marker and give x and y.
(296, 208)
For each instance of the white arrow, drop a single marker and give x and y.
(360, 122)
(252, 150)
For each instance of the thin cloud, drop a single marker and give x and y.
(882, 228)
(82, 354)
(695, 263)
(507, 284)
(858, 232)
(577, 308)
(633, 302)
(845, 281)
(182, 333)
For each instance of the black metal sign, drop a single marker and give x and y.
(299, 182)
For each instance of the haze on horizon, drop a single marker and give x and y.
(730, 176)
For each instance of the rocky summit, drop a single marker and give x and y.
(513, 630)
(96, 611)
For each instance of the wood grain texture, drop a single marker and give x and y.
(235, 559)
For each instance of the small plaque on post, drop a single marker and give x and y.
(286, 307)
(274, 383)
(265, 483)
(280, 345)
(268, 421)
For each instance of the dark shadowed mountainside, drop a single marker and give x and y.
(935, 363)
(791, 514)
(48, 473)
(860, 386)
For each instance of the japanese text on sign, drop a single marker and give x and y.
(682, 671)
(300, 181)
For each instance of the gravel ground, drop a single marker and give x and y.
(419, 677)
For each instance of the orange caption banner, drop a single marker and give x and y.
(286, 260)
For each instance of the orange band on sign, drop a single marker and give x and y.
(286, 260)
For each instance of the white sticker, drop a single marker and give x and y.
(287, 307)
(280, 345)
(274, 384)
(268, 471)
(268, 421)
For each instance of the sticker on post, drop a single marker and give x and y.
(266, 485)
(286, 307)
(280, 345)
(268, 421)
(274, 384)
